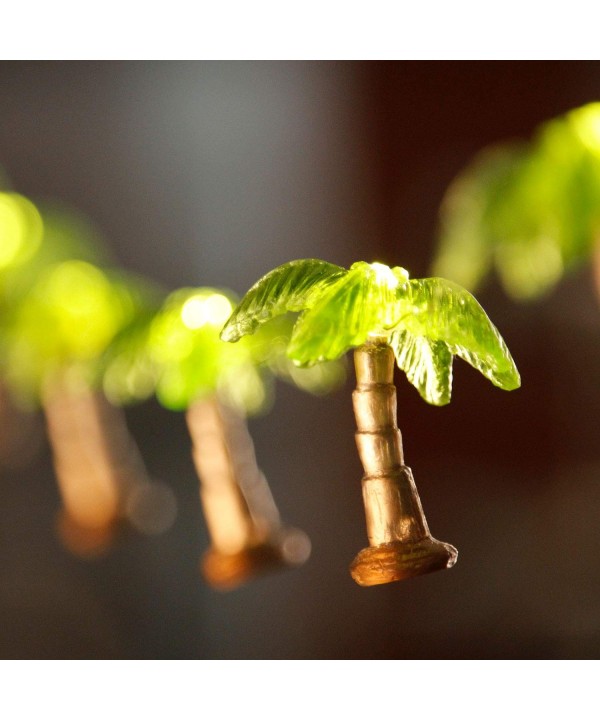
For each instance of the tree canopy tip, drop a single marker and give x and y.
(510, 380)
(233, 332)
(229, 334)
(515, 384)
(438, 402)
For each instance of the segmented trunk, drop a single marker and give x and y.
(392, 505)
(399, 538)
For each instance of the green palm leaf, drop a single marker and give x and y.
(357, 305)
(425, 322)
(440, 310)
(291, 287)
(427, 364)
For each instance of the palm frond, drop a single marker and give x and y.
(291, 287)
(440, 310)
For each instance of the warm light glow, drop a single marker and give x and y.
(586, 122)
(218, 309)
(385, 276)
(200, 310)
(20, 229)
(193, 313)
(401, 274)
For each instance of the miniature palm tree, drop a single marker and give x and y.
(380, 313)
(178, 355)
(57, 334)
(529, 210)
(58, 310)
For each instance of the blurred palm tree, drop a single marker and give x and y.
(528, 210)
(177, 354)
(60, 310)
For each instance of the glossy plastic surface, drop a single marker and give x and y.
(426, 322)
(288, 288)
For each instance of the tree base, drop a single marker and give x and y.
(288, 548)
(394, 561)
(83, 541)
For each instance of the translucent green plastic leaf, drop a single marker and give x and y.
(360, 304)
(426, 322)
(440, 310)
(288, 288)
(427, 364)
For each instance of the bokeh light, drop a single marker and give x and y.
(21, 230)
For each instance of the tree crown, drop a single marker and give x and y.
(176, 353)
(426, 321)
(65, 322)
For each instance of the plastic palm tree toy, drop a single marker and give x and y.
(381, 314)
(56, 337)
(529, 210)
(217, 386)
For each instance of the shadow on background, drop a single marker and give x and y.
(211, 173)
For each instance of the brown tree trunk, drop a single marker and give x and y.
(242, 520)
(101, 476)
(400, 544)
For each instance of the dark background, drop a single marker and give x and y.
(212, 173)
